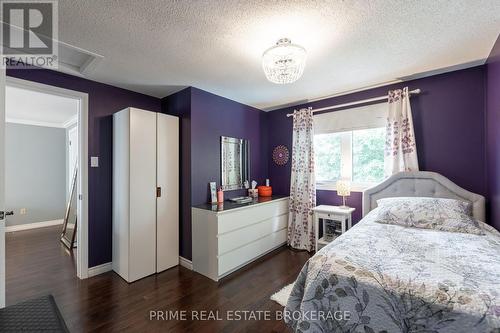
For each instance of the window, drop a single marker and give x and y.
(349, 144)
(327, 156)
(368, 155)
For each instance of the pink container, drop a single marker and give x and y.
(220, 195)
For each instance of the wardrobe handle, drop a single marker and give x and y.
(158, 192)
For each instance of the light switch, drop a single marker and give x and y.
(23, 211)
(94, 161)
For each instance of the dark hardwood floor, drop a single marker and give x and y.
(37, 264)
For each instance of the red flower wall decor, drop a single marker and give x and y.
(280, 155)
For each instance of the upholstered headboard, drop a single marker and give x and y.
(422, 184)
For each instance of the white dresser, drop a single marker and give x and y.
(227, 238)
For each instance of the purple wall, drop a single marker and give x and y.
(449, 119)
(104, 100)
(205, 118)
(493, 133)
(180, 104)
(213, 116)
(449, 128)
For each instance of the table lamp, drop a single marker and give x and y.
(343, 190)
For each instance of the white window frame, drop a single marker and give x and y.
(346, 159)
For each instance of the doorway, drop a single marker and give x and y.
(75, 143)
(39, 156)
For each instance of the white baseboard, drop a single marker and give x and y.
(185, 263)
(33, 225)
(96, 270)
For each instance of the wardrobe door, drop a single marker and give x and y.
(167, 205)
(142, 253)
(121, 192)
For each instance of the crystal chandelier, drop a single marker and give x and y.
(284, 63)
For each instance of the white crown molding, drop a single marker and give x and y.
(35, 225)
(33, 122)
(66, 124)
(70, 122)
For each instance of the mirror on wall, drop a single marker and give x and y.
(235, 163)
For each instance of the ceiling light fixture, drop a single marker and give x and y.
(284, 63)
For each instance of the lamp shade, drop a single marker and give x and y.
(343, 187)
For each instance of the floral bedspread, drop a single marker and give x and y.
(387, 278)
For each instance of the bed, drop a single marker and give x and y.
(388, 278)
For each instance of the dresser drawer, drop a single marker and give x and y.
(249, 252)
(243, 217)
(237, 238)
(331, 216)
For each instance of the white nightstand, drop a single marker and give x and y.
(324, 212)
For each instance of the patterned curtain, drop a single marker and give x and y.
(400, 148)
(302, 185)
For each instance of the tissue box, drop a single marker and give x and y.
(253, 192)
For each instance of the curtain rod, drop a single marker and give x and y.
(374, 99)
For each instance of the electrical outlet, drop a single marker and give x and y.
(23, 211)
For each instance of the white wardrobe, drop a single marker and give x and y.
(145, 193)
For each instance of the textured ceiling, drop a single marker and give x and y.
(158, 47)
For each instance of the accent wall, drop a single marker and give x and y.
(449, 122)
(206, 117)
(493, 133)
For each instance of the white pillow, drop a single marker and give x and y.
(428, 213)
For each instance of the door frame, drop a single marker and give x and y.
(70, 147)
(2, 186)
(82, 252)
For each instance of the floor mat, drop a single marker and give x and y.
(37, 315)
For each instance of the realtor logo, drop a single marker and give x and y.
(29, 33)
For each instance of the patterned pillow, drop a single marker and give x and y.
(428, 213)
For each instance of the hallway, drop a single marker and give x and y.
(37, 264)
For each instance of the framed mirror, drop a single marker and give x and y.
(68, 233)
(235, 163)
